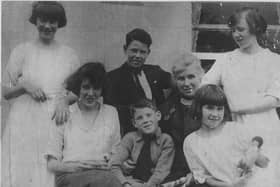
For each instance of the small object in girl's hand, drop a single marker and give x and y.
(262, 161)
(259, 140)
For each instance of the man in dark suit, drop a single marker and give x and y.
(134, 80)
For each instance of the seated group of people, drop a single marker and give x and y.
(89, 142)
(88, 150)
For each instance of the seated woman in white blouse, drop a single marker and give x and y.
(79, 151)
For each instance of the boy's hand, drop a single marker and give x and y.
(71, 167)
(136, 184)
(188, 179)
(127, 185)
(128, 166)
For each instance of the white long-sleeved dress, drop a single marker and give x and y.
(26, 133)
(246, 78)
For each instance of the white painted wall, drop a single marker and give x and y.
(97, 30)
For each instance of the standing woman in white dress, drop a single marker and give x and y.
(250, 77)
(33, 82)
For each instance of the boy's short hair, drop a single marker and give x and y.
(139, 35)
(142, 103)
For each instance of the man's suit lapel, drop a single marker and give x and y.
(128, 85)
(128, 81)
(150, 75)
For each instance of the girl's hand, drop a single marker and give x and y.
(71, 167)
(242, 180)
(36, 93)
(61, 113)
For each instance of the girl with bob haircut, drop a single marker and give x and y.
(79, 152)
(214, 151)
(209, 95)
(51, 10)
(250, 78)
(34, 81)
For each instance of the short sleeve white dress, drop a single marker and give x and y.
(245, 78)
(26, 133)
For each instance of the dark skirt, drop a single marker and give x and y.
(88, 178)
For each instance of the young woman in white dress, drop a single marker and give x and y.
(34, 79)
(250, 78)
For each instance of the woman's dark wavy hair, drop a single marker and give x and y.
(256, 22)
(209, 94)
(92, 71)
(49, 10)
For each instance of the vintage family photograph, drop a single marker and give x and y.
(140, 94)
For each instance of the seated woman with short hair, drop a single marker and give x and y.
(79, 151)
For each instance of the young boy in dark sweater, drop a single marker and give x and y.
(145, 156)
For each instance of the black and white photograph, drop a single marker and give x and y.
(140, 94)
